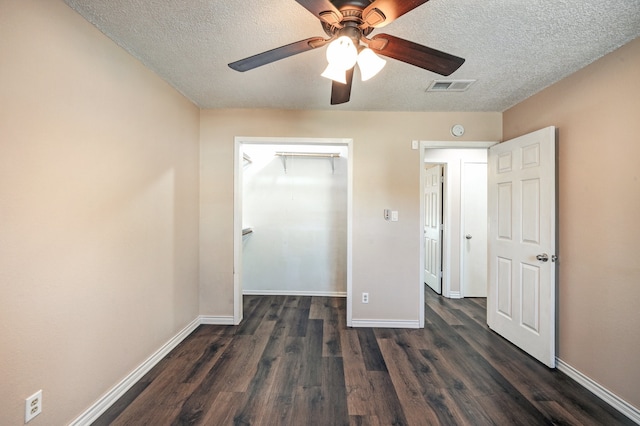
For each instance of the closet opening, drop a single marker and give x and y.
(292, 218)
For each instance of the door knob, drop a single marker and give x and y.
(543, 257)
(468, 236)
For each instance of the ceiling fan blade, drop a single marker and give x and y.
(382, 12)
(415, 54)
(323, 10)
(341, 93)
(278, 53)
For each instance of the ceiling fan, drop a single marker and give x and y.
(348, 23)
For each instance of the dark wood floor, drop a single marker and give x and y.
(293, 361)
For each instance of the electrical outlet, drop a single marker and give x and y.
(365, 297)
(33, 406)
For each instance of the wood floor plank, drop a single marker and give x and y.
(446, 388)
(324, 308)
(373, 359)
(232, 373)
(324, 404)
(311, 365)
(299, 327)
(386, 402)
(443, 312)
(222, 411)
(291, 301)
(358, 386)
(318, 308)
(364, 421)
(336, 397)
(275, 307)
(293, 361)
(415, 397)
(255, 316)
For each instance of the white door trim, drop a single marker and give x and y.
(237, 210)
(424, 145)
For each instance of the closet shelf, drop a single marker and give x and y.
(330, 155)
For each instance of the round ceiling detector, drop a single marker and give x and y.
(457, 130)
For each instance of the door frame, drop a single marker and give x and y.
(441, 201)
(237, 209)
(446, 255)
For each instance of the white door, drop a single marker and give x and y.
(474, 230)
(432, 227)
(521, 302)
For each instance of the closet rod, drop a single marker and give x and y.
(309, 154)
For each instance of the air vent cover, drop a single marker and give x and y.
(449, 85)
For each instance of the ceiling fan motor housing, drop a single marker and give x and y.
(351, 18)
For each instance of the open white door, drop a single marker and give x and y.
(521, 304)
(432, 227)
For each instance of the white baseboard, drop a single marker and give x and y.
(294, 293)
(216, 320)
(600, 391)
(386, 323)
(455, 295)
(108, 399)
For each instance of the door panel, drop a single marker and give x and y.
(474, 230)
(521, 302)
(432, 228)
(504, 286)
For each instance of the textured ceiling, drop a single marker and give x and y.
(513, 48)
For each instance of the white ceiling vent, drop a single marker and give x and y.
(449, 85)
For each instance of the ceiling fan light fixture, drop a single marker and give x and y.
(335, 73)
(342, 53)
(369, 63)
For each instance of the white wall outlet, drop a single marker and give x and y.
(365, 297)
(33, 406)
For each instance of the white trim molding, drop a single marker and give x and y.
(600, 391)
(455, 295)
(216, 320)
(294, 293)
(109, 398)
(385, 323)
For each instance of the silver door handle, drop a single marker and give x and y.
(468, 236)
(543, 257)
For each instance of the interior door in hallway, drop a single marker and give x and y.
(433, 227)
(521, 303)
(474, 232)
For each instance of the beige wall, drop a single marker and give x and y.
(98, 211)
(597, 112)
(386, 174)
